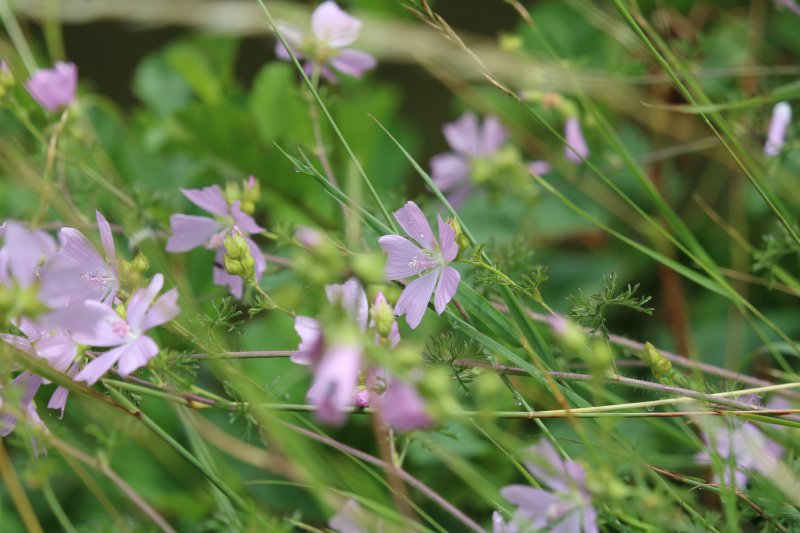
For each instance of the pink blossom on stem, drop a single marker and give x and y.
(99, 325)
(332, 30)
(429, 261)
(576, 149)
(23, 252)
(565, 508)
(191, 231)
(778, 124)
(54, 88)
(78, 272)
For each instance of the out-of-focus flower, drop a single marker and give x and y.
(332, 30)
(791, 5)
(742, 447)
(23, 253)
(54, 88)
(131, 347)
(53, 345)
(351, 518)
(476, 157)
(575, 149)
(778, 124)
(430, 263)
(29, 383)
(338, 363)
(190, 231)
(565, 508)
(78, 272)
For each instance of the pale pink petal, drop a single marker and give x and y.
(447, 240)
(189, 231)
(58, 400)
(493, 135)
(540, 168)
(548, 466)
(402, 256)
(140, 302)
(576, 149)
(446, 289)
(778, 124)
(93, 324)
(533, 504)
(258, 256)
(59, 351)
(54, 88)
(457, 196)
(244, 221)
(403, 407)
(165, 309)
(463, 135)
(311, 341)
(137, 355)
(209, 198)
(333, 26)
(24, 254)
(106, 236)
(449, 170)
(415, 298)
(334, 383)
(353, 62)
(100, 366)
(351, 519)
(413, 221)
(294, 38)
(17, 342)
(351, 296)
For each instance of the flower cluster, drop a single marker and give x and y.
(67, 301)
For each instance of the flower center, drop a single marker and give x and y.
(121, 328)
(420, 263)
(98, 278)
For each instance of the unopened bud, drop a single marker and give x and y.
(383, 316)
(236, 246)
(140, 263)
(233, 266)
(121, 311)
(601, 358)
(232, 192)
(660, 365)
(461, 240)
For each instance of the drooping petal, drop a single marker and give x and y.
(493, 135)
(413, 222)
(447, 240)
(309, 351)
(449, 171)
(54, 88)
(141, 300)
(351, 296)
(403, 407)
(402, 256)
(209, 198)
(190, 231)
(100, 366)
(463, 135)
(106, 237)
(446, 289)
(58, 350)
(415, 298)
(576, 149)
(137, 355)
(244, 221)
(333, 26)
(334, 383)
(353, 62)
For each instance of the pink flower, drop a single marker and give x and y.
(131, 347)
(472, 144)
(402, 406)
(430, 263)
(331, 31)
(53, 345)
(190, 231)
(23, 253)
(576, 149)
(778, 124)
(54, 88)
(78, 272)
(30, 383)
(565, 508)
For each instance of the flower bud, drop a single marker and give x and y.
(659, 365)
(232, 192)
(233, 266)
(601, 358)
(461, 240)
(382, 316)
(251, 193)
(140, 263)
(121, 311)
(236, 246)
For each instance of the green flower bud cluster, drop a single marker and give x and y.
(504, 172)
(238, 259)
(248, 194)
(131, 273)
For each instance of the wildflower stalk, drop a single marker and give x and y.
(180, 450)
